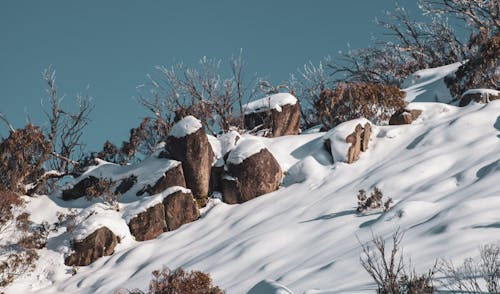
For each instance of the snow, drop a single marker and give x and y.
(245, 149)
(269, 287)
(275, 101)
(337, 137)
(442, 172)
(185, 126)
(427, 85)
(97, 216)
(147, 172)
(482, 92)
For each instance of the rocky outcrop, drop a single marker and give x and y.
(149, 224)
(172, 177)
(190, 146)
(255, 175)
(358, 140)
(80, 189)
(100, 243)
(274, 116)
(404, 116)
(479, 96)
(278, 123)
(180, 208)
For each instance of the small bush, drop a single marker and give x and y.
(374, 201)
(102, 189)
(179, 281)
(375, 102)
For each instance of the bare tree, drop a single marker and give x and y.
(480, 14)
(65, 127)
(202, 92)
(31, 157)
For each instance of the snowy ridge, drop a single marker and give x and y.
(442, 172)
(275, 101)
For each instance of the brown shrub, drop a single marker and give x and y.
(374, 201)
(375, 102)
(179, 281)
(8, 200)
(16, 264)
(22, 155)
(481, 71)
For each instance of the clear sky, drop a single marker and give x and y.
(112, 45)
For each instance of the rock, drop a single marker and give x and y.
(355, 140)
(79, 190)
(126, 184)
(279, 114)
(188, 143)
(365, 137)
(180, 208)
(404, 116)
(216, 178)
(251, 176)
(479, 96)
(173, 177)
(100, 243)
(231, 190)
(149, 224)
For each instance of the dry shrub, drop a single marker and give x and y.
(179, 281)
(482, 70)
(102, 189)
(375, 102)
(16, 264)
(22, 155)
(372, 202)
(473, 275)
(387, 268)
(8, 200)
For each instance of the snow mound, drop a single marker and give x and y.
(275, 101)
(97, 216)
(269, 287)
(245, 149)
(337, 137)
(185, 126)
(482, 92)
(427, 85)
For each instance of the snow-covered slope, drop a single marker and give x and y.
(442, 173)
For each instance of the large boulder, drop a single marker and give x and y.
(180, 208)
(404, 116)
(188, 143)
(172, 177)
(149, 224)
(479, 96)
(100, 243)
(275, 115)
(251, 171)
(80, 189)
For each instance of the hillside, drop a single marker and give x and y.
(442, 172)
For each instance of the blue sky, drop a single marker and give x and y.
(111, 46)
